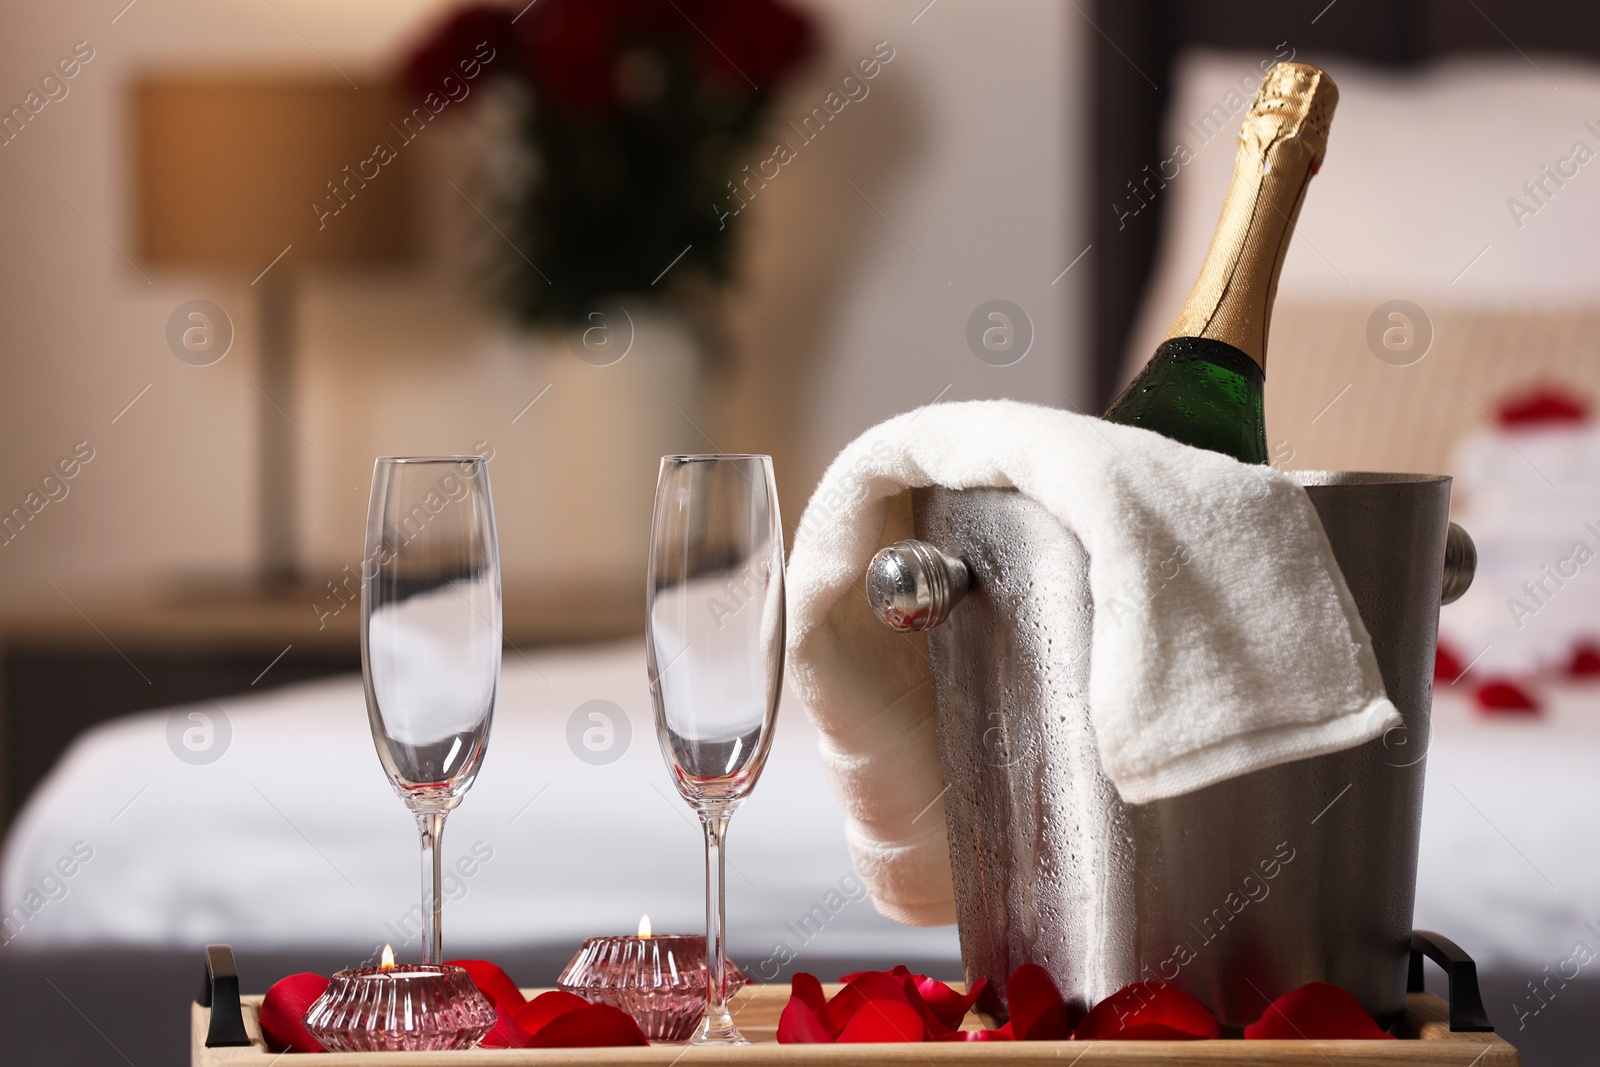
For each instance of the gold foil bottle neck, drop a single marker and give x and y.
(1281, 145)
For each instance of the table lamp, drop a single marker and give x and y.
(258, 178)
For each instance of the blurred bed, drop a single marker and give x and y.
(291, 846)
(293, 836)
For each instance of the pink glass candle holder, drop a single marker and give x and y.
(404, 1008)
(660, 981)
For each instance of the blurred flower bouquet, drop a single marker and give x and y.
(629, 115)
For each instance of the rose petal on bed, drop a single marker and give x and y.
(1585, 660)
(1544, 406)
(1038, 1012)
(492, 982)
(1317, 1011)
(592, 1026)
(799, 1025)
(1146, 1011)
(1499, 696)
(807, 989)
(283, 1012)
(883, 1021)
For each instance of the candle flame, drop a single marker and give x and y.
(644, 926)
(387, 963)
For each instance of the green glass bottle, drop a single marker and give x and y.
(1204, 384)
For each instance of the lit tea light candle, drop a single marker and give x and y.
(659, 979)
(400, 1007)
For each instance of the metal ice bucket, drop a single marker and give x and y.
(1238, 892)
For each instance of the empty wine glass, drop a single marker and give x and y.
(715, 652)
(430, 641)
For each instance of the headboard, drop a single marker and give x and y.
(1134, 45)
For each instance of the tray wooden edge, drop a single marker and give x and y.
(757, 1008)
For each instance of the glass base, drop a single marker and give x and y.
(718, 1032)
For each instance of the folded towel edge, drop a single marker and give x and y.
(1242, 754)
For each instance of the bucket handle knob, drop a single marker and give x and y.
(1460, 563)
(914, 586)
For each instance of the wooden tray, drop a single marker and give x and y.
(756, 1010)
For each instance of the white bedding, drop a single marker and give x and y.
(293, 837)
(1511, 818)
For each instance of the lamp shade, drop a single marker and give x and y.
(232, 170)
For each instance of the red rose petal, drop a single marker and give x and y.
(546, 1008)
(492, 982)
(799, 1025)
(1501, 697)
(933, 1028)
(807, 990)
(283, 1012)
(868, 986)
(506, 1033)
(1148, 1011)
(990, 1002)
(1038, 1012)
(882, 1021)
(1316, 1011)
(1585, 660)
(1547, 405)
(945, 1004)
(592, 1026)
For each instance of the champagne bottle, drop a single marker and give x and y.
(1203, 386)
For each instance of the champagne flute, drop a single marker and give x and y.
(715, 651)
(430, 642)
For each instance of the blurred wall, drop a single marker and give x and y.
(954, 182)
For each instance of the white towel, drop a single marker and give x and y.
(1225, 638)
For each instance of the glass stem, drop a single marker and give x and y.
(430, 824)
(718, 1022)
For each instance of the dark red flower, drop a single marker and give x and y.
(749, 44)
(283, 1012)
(1544, 406)
(1316, 1011)
(1500, 696)
(1148, 1011)
(571, 51)
(471, 40)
